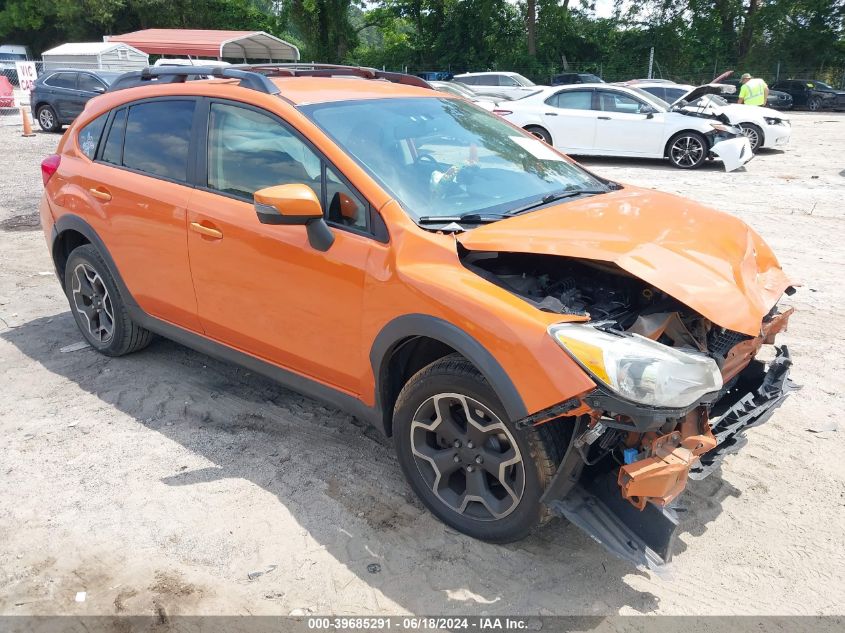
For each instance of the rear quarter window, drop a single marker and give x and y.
(89, 136)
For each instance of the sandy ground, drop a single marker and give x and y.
(167, 482)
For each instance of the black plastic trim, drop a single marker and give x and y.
(414, 325)
(292, 380)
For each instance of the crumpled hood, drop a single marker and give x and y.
(711, 261)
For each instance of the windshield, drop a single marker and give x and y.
(108, 77)
(822, 85)
(659, 103)
(443, 157)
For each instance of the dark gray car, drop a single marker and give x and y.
(59, 95)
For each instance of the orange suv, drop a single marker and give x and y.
(538, 340)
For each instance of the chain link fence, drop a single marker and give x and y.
(624, 70)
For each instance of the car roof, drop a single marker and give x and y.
(307, 90)
(488, 72)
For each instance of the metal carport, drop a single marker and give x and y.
(240, 45)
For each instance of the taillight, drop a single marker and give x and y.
(502, 112)
(49, 166)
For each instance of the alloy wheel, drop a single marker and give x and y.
(751, 134)
(45, 118)
(91, 300)
(686, 151)
(467, 456)
(814, 105)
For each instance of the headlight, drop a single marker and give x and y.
(638, 368)
(772, 121)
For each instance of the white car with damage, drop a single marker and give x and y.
(614, 120)
(764, 127)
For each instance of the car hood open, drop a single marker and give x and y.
(709, 260)
(706, 89)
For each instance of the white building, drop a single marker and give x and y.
(95, 55)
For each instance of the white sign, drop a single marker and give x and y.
(26, 75)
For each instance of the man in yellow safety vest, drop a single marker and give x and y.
(754, 91)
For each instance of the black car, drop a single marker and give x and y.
(575, 78)
(778, 99)
(59, 95)
(813, 94)
(435, 75)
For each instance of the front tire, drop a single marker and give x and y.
(754, 135)
(465, 459)
(48, 119)
(687, 150)
(97, 306)
(814, 104)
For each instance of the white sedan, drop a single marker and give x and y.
(763, 126)
(612, 120)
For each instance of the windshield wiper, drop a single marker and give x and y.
(466, 218)
(554, 197)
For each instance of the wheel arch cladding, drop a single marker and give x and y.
(71, 231)
(409, 343)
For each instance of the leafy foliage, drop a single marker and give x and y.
(693, 40)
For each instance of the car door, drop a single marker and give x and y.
(623, 130)
(263, 289)
(571, 120)
(138, 188)
(62, 91)
(87, 87)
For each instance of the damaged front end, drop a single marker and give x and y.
(675, 393)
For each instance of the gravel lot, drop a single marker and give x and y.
(167, 481)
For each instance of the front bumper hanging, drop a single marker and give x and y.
(646, 537)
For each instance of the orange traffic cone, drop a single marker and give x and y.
(27, 128)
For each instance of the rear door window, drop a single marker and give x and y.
(157, 137)
(62, 80)
(572, 100)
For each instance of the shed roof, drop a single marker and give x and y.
(208, 43)
(88, 48)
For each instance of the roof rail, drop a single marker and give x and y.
(255, 76)
(181, 74)
(298, 69)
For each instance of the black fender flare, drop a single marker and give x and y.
(70, 222)
(413, 325)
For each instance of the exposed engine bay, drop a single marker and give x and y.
(605, 293)
(627, 462)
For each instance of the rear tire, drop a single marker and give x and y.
(97, 307)
(687, 150)
(48, 119)
(464, 458)
(541, 133)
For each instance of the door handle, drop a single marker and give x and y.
(605, 118)
(206, 230)
(100, 194)
(550, 113)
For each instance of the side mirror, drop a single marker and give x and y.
(648, 111)
(99, 89)
(294, 205)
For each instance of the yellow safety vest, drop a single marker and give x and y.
(753, 92)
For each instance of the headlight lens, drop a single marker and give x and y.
(721, 127)
(638, 368)
(773, 121)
